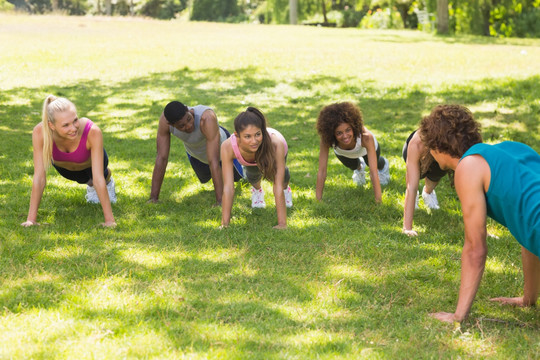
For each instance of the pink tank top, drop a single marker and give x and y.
(81, 154)
(240, 158)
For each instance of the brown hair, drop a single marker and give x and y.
(331, 116)
(450, 129)
(266, 154)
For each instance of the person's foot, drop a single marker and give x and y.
(288, 197)
(91, 195)
(384, 174)
(430, 199)
(257, 198)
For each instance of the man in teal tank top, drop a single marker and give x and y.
(501, 181)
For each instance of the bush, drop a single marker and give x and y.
(528, 24)
(5, 6)
(382, 19)
(211, 10)
(162, 9)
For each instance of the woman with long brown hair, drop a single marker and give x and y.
(263, 153)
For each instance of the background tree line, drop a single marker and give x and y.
(501, 18)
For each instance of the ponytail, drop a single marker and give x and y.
(265, 157)
(51, 105)
(46, 117)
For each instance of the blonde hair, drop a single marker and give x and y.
(51, 105)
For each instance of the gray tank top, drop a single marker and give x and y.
(195, 142)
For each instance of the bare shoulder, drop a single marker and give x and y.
(367, 136)
(208, 115)
(472, 170)
(94, 130)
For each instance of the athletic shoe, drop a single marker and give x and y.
(384, 174)
(417, 199)
(257, 198)
(288, 197)
(91, 195)
(430, 199)
(359, 175)
(112, 191)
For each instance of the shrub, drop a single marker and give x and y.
(382, 19)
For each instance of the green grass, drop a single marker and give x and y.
(340, 282)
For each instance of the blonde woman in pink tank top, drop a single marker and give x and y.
(263, 153)
(74, 146)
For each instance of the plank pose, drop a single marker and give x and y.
(420, 165)
(501, 181)
(75, 148)
(202, 136)
(340, 126)
(263, 153)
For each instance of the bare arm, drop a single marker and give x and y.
(414, 150)
(321, 173)
(227, 157)
(95, 142)
(163, 144)
(470, 180)
(210, 130)
(369, 142)
(39, 180)
(279, 196)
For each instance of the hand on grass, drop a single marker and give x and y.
(28, 223)
(443, 316)
(514, 301)
(409, 232)
(152, 201)
(280, 226)
(110, 224)
(221, 227)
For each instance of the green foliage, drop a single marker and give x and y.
(382, 19)
(212, 10)
(162, 9)
(6, 6)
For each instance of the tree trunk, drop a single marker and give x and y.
(442, 16)
(324, 11)
(54, 5)
(108, 9)
(293, 12)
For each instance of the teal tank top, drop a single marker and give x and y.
(513, 197)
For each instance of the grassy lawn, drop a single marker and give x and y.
(340, 282)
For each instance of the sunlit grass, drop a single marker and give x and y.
(341, 282)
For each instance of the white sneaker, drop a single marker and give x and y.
(416, 201)
(359, 175)
(430, 199)
(112, 191)
(257, 198)
(288, 197)
(384, 174)
(91, 195)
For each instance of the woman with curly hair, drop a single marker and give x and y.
(340, 127)
(501, 181)
(263, 153)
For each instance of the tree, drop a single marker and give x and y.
(293, 12)
(442, 17)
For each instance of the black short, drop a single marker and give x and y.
(85, 175)
(354, 164)
(434, 173)
(203, 172)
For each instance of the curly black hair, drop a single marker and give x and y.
(331, 116)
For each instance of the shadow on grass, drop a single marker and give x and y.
(351, 254)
